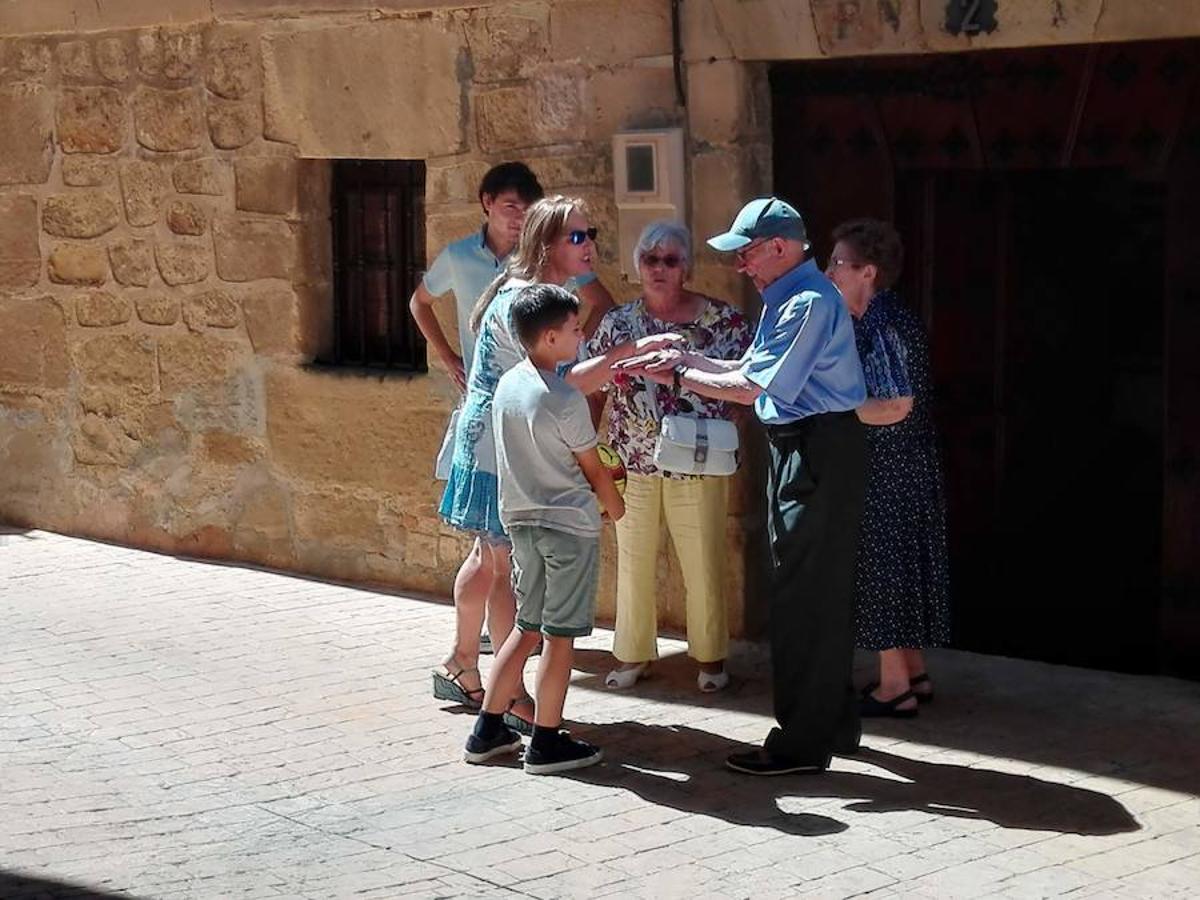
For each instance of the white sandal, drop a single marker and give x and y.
(623, 679)
(711, 682)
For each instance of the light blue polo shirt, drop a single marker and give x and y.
(803, 355)
(467, 267)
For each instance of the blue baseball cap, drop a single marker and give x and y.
(766, 217)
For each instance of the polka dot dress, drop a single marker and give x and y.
(903, 565)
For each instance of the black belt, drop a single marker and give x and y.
(805, 426)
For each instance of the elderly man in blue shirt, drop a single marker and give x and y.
(804, 378)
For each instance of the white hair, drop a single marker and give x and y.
(662, 234)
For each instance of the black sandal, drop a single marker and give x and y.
(870, 708)
(450, 687)
(923, 678)
(515, 722)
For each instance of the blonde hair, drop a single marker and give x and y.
(545, 222)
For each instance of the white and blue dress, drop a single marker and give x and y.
(471, 501)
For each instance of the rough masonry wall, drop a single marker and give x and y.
(165, 260)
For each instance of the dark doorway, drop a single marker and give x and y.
(1034, 193)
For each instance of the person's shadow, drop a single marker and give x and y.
(683, 768)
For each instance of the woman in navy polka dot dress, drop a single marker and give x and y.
(903, 568)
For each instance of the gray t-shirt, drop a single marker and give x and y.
(540, 422)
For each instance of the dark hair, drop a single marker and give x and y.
(511, 176)
(539, 308)
(875, 243)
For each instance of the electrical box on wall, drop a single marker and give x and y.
(648, 171)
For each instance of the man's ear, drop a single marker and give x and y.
(487, 201)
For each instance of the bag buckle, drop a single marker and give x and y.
(701, 453)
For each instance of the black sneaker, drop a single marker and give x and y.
(563, 755)
(479, 750)
(760, 762)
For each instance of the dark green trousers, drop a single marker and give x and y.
(817, 482)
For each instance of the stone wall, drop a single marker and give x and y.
(165, 260)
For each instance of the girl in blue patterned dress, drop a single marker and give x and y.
(903, 569)
(556, 245)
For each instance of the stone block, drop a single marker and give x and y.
(168, 120)
(198, 176)
(181, 263)
(75, 60)
(266, 184)
(144, 187)
(273, 321)
(329, 428)
(421, 550)
(77, 264)
(186, 217)
(158, 309)
(180, 52)
(324, 89)
(212, 309)
(231, 68)
(20, 253)
(112, 59)
(87, 171)
(27, 138)
(91, 120)
(338, 519)
(631, 98)
(262, 529)
(117, 360)
(102, 441)
(132, 261)
(248, 249)
(32, 57)
(100, 309)
(33, 342)
(762, 29)
(507, 42)
(149, 53)
(457, 181)
(610, 31)
(224, 449)
(193, 361)
(232, 125)
(549, 109)
(80, 214)
(719, 101)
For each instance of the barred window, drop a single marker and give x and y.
(378, 215)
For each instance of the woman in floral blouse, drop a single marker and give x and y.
(693, 507)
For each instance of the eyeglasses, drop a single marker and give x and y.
(836, 262)
(745, 252)
(671, 261)
(578, 236)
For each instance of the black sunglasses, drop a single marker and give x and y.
(579, 236)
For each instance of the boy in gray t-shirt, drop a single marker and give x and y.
(550, 478)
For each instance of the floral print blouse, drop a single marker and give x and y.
(721, 331)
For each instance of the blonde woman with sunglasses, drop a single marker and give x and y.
(693, 507)
(557, 244)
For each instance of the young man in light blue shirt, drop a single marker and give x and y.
(803, 376)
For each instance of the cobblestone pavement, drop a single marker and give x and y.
(171, 728)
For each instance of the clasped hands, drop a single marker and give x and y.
(654, 357)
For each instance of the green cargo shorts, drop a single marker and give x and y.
(554, 577)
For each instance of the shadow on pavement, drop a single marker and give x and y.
(1092, 722)
(14, 886)
(681, 768)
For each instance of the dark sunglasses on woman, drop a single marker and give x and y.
(651, 260)
(579, 236)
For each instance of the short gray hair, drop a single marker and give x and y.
(663, 233)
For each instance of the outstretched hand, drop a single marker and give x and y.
(657, 365)
(661, 341)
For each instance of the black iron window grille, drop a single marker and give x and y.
(377, 216)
